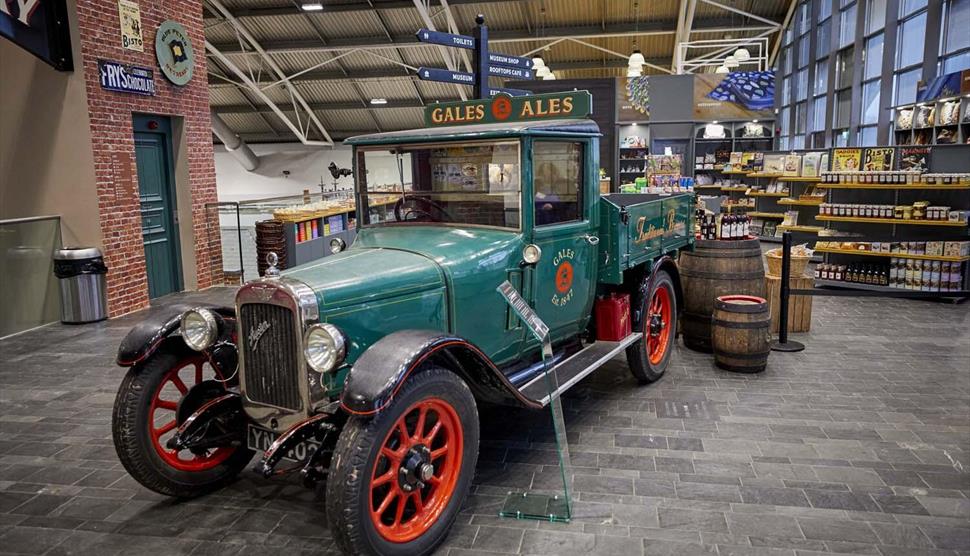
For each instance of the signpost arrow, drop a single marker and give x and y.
(446, 39)
(516, 73)
(511, 92)
(509, 61)
(445, 76)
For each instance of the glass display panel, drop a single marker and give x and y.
(475, 184)
(905, 86)
(907, 7)
(844, 68)
(801, 85)
(847, 23)
(818, 114)
(870, 102)
(876, 15)
(957, 62)
(800, 117)
(823, 41)
(873, 57)
(29, 294)
(821, 76)
(909, 45)
(957, 26)
(867, 136)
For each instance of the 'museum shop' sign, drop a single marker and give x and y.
(504, 108)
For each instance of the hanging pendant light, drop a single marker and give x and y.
(742, 54)
(636, 59)
(731, 62)
(722, 69)
(632, 72)
(550, 77)
(538, 62)
(543, 71)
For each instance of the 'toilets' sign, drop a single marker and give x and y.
(504, 108)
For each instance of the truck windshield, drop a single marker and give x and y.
(466, 184)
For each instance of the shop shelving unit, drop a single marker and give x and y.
(930, 134)
(950, 158)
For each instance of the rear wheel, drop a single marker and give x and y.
(153, 400)
(399, 479)
(649, 356)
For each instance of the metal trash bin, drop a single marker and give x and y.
(81, 276)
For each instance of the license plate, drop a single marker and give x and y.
(259, 439)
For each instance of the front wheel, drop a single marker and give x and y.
(649, 356)
(399, 479)
(154, 398)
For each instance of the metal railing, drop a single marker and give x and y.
(233, 225)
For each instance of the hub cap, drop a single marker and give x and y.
(162, 419)
(416, 470)
(658, 324)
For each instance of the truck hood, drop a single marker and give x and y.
(361, 275)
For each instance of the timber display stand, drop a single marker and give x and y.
(799, 306)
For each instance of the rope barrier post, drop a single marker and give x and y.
(782, 343)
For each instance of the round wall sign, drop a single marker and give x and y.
(174, 52)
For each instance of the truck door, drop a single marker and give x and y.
(564, 217)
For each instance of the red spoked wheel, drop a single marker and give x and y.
(154, 397)
(414, 477)
(398, 478)
(657, 327)
(162, 414)
(656, 318)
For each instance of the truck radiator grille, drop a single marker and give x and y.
(271, 350)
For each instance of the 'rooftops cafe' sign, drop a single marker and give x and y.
(503, 108)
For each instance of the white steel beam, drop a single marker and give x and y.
(453, 28)
(781, 32)
(742, 12)
(423, 12)
(618, 54)
(251, 82)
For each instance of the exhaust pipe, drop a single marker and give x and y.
(234, 144)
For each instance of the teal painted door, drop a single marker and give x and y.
(156, 191)
(564, 279)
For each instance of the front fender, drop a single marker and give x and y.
(380, 371)
(145, 337)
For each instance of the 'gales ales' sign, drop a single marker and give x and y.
(504, 108)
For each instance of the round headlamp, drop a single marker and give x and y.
(531, 253)
(324, 347)
(337, 245)
(200, 328)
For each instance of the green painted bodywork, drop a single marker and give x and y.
(444, 277)
(638, 233)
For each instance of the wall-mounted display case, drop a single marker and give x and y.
(944, 121)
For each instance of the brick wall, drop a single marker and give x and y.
(113, 143)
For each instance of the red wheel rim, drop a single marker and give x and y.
(657, 324)
(162, 420)
(431, 427)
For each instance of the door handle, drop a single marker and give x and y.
(592, 240)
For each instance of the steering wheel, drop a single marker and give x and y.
(444, 215)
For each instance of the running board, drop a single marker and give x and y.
(576, 368)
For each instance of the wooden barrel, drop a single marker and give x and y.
(715, 268)
(739, 333)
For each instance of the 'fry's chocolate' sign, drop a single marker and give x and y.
(504, 108)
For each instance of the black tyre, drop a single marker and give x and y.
(145, 416)
(382, 496)
(657, 319)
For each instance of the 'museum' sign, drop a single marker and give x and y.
(126, 79)
(505, 108)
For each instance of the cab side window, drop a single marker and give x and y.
(557, 170)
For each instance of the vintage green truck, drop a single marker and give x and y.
(365, 368)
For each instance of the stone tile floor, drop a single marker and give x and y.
(859, 445)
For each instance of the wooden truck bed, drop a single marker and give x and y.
(636, 228)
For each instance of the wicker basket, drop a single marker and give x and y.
(798, 263)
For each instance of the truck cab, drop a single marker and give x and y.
(366, 367)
